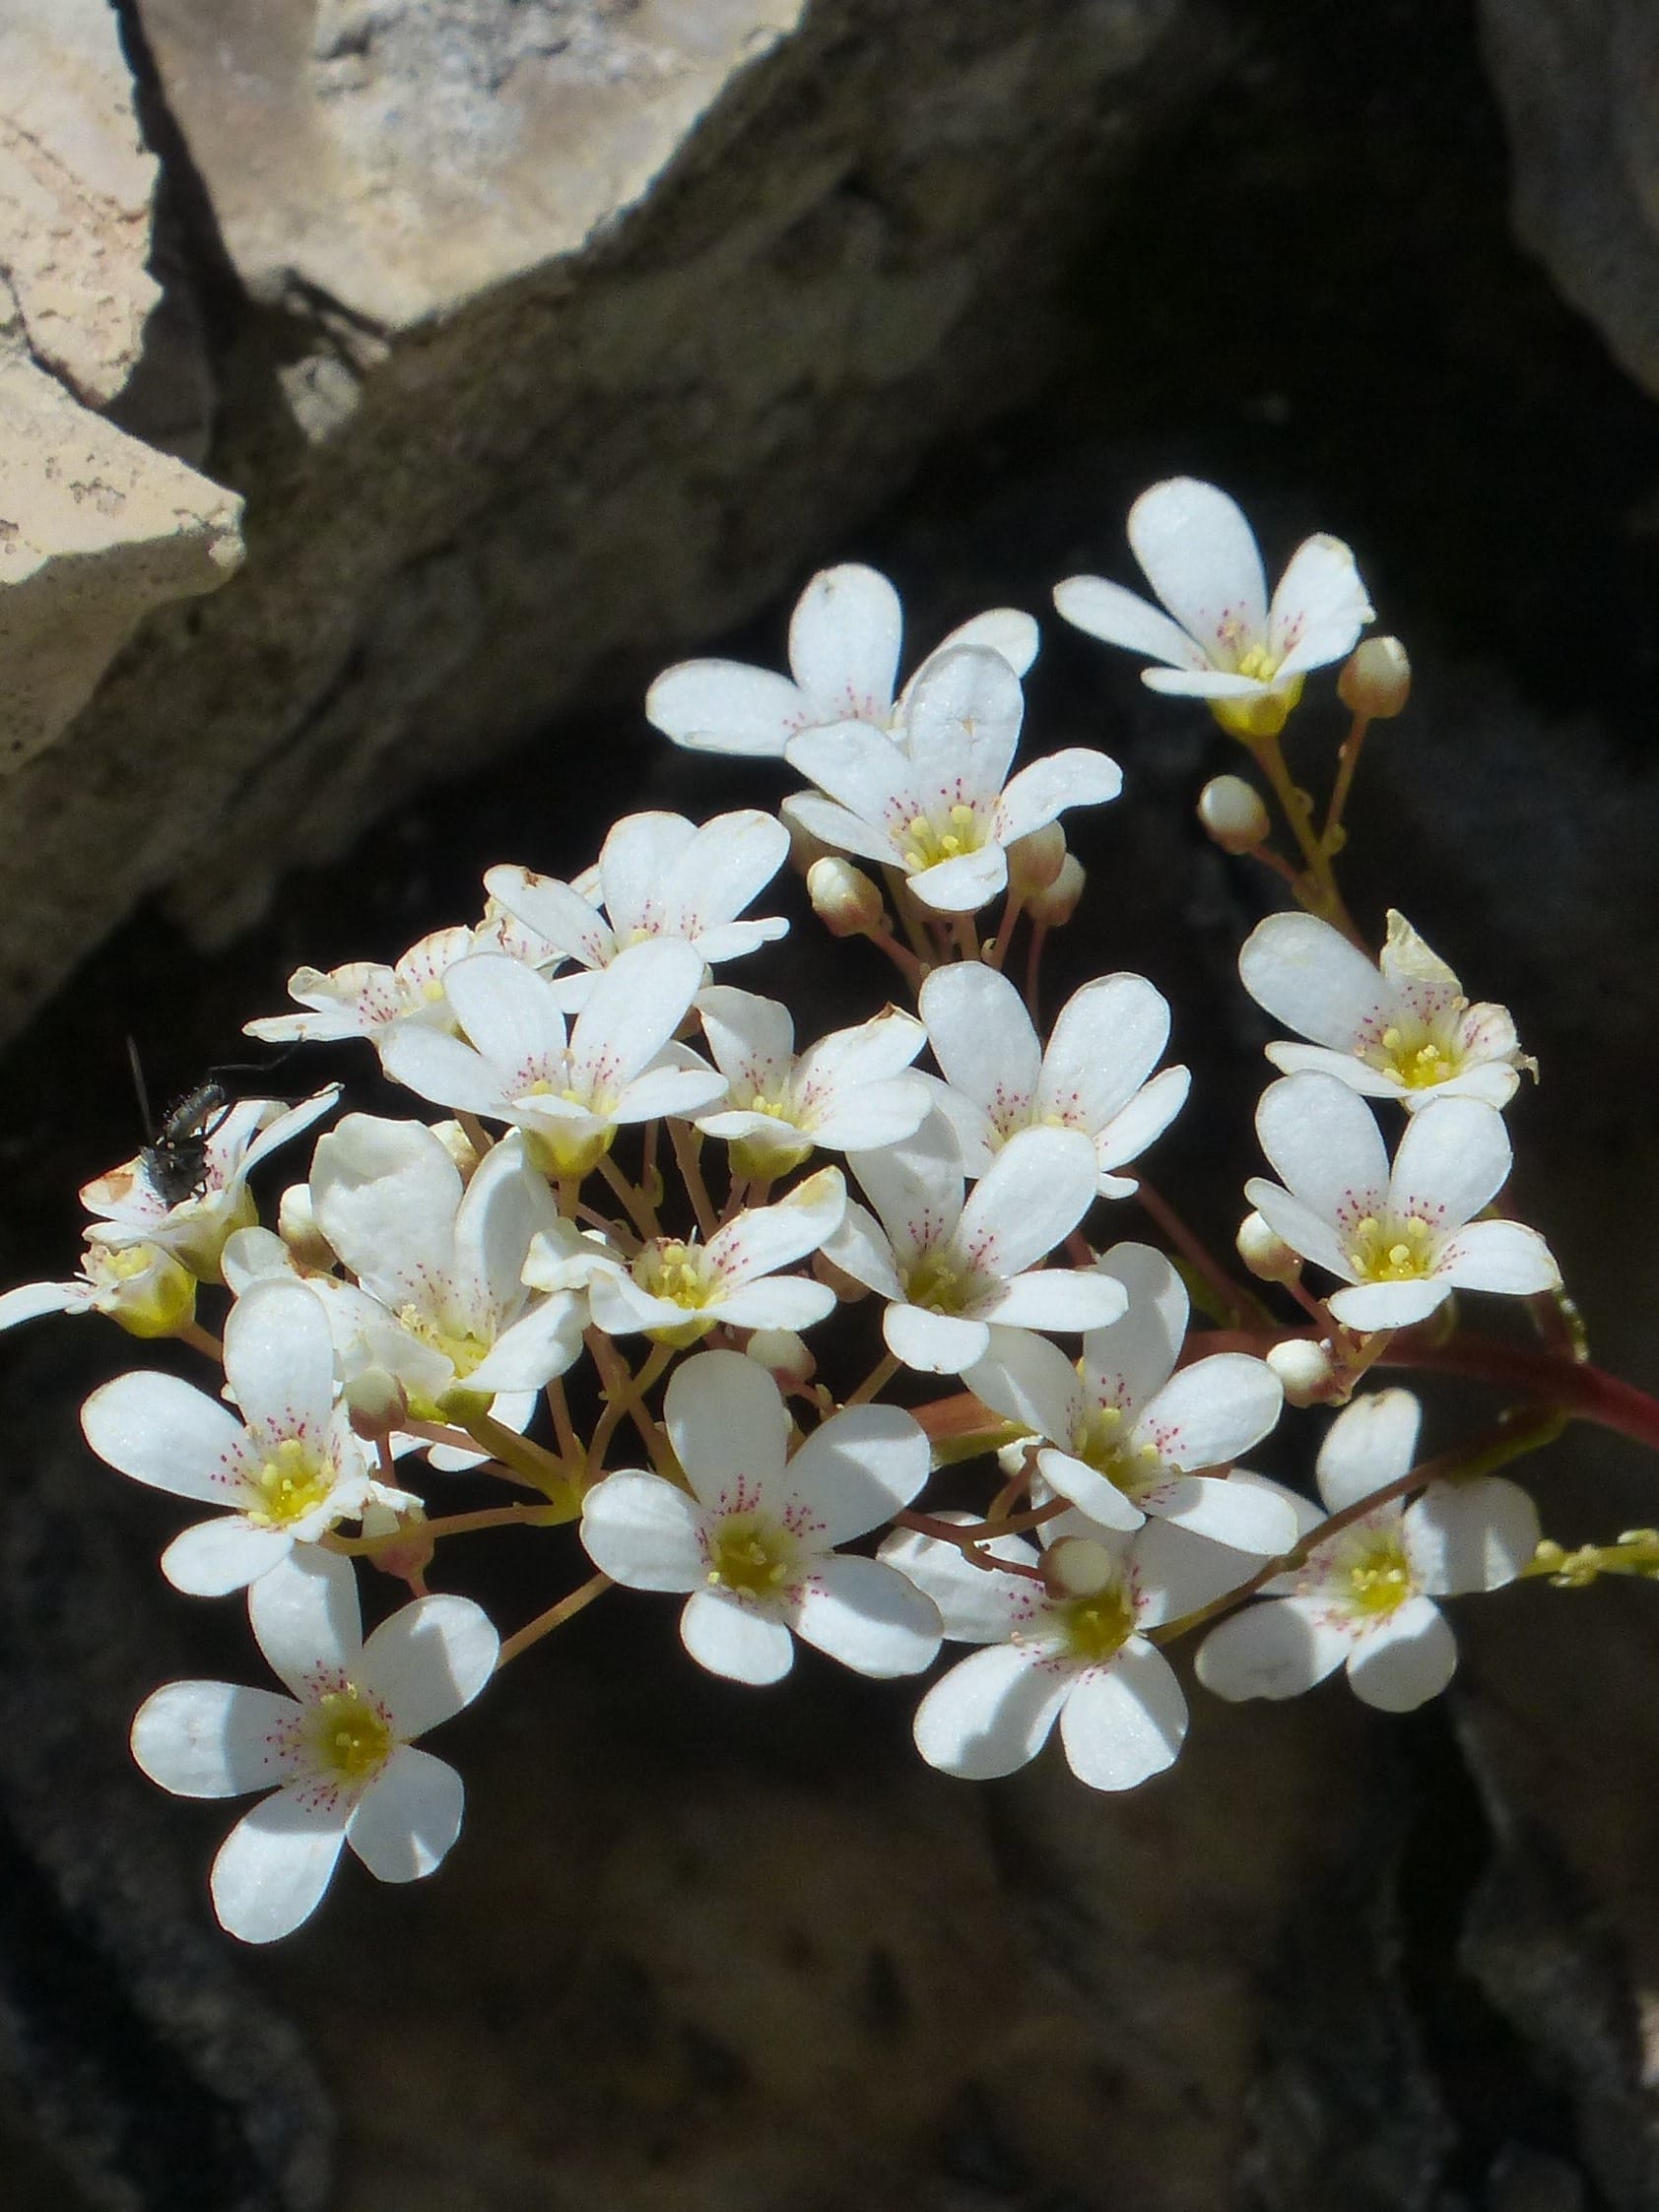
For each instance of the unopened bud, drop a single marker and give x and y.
(1265, 1253)
(1055, 906)
(1232, 812)
(1377, 679)
(375, 1401)
(1308, 1370)
(782, 1352)
(1036, 860)
(297, 1225)
(405, 1543)
(844, 898)
(1079, 1566)
(459, 1145)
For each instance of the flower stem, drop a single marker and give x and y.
(636, 1205)
(201, 1339)
(555, 1616)
(877, 1380)
(1316, 887)
(1347, 760)
(686, 1149)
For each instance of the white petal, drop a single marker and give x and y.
(1120, 617)
(272, 1868)
(1453, 1157)
(555, 911)
(1042, 790)
(1302, 1229)
(429, 1660)
(1031, 1198)
(1407, 1661)
(1027, 1380)
(1070, 1300)
(279, 1358)
(1096, 1497)
(764, 1238)
(406, 1820)
(1307, 975)
(1358, 1075)
(915, 1187)
(1209, 1414)
(506, 1205)
(544, 1343)
(727, 1422)
(1200, 557)
(385, 1193)
(1370, 1306)
(1274, 1650)
(209, 1740)
(29, 1300)
(163, 1432)
(752, 1039)
(778, 1302)
(858, 1468)
(681, 1091)
(643, 1532)
(964, 884)
(443, 1068)
(724, 865)
(1498, 1255)
(870, 1618)
(961, 720)
(1319, 608)
(305, 1615)
(991, 1713)
(725, 706)
(1324, 1143)
(1178, 1571)
(1370, 1444)
(978, 1604)
(1126, 1363)
(1105, 1042)
(982, 1037)
(933, 1343)
(635, 863)
(507, 1012)
(728, 1637)
(844, 643)
(285, 1126)
(839, 826)
(216, 1558)
(1475, 1533)
(860, 1249)
(1235, 1514)
(1004, 630)
(1126, 1722)
(636, 1004)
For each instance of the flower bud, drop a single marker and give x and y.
(844, 898)
(1377, 679)
(1055, 906)
(375, 1402)
(297, 1225)
(1079, 1566)
(459, 1145)
(1265, 1253)
(410, 1548)
(783, 1353)
(1036, 860)
(1308, 1370)
(1232, 812)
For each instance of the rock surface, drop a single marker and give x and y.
(551, 336)
(1577, 80)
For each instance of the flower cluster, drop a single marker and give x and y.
(608, 1283)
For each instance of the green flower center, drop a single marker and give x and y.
(293, 1482)
(750, 1554)
(1097, 1627)
(939, 1282)
(348, 1736)
(1392, 1249)
(1099, 1442)
(927, 839)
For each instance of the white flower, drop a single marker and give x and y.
(1126, 1432)
(567, 1092)
(1364, 1599)
(367, 999)
(678, 1290)
(1094, 1075)
(1224, 644)
(850, 1092)
(952, 1271)
(659, 876)
(289, 1474)
(930, 800)
(754, 1543)
(337, 1753)
(140, 1286)
(1071, 1648)
(843, 650)
(1401, 1029)
(135, 1207)
(1406, 1238)
(439, 1301)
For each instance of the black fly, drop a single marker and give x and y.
(176, 1160)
